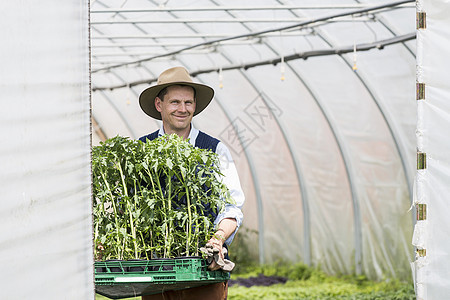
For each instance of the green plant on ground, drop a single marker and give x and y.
(309, 283)
(150, 198)
(241, 251)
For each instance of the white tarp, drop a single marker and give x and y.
(431, 236)
(45, 190)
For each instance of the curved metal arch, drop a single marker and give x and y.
(95, 127)
(299, 173)
(385, 22)
(256, 184)
(349, 170)
(395, 136)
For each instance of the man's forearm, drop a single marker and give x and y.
(225, 229)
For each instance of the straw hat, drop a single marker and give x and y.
(173, 76)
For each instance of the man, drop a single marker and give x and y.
(175, 100)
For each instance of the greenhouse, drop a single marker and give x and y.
(334, 113)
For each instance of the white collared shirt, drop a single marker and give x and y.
(231, 180)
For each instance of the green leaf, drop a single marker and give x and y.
(169, 163)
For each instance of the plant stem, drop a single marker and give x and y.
(169, 226)
(164, 209)
(188, 202)
(197, 229)
(115, 213)
(132, 227)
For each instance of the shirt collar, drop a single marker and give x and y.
(192, 134)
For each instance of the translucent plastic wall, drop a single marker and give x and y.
(45, 190)
(431, 267)
(325, 146)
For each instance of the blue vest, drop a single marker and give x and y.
(203, 141)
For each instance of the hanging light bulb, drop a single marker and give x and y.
(282, 69)
(220, 78)
(354, 68)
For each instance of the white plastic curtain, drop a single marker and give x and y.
(45, 189)
(432, 230)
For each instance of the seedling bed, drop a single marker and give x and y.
(123, 279)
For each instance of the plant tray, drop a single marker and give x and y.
(123, 279)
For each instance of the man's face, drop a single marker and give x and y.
(177, 109)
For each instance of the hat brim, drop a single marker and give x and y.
(203, 94)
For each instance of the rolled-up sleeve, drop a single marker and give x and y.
(231, 180)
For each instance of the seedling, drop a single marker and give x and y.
(150, 198)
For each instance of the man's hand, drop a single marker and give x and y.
(218, 253)
(214, 249)
(215, 253)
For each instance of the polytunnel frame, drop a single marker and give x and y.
(369, 89)
(393, 132)
(248, 158)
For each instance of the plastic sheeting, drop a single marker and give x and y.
(431, 267)
(326, 156)
(45, 191)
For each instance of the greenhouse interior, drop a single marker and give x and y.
(334, 114)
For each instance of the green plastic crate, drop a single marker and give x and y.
(123, 279)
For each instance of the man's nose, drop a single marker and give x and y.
(182, 107)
